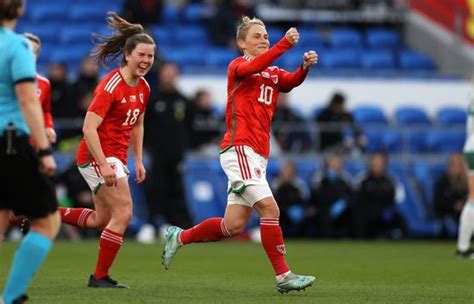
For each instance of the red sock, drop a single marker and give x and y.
(109, 245)
(210, 230)
(272, 241)
(75, 216)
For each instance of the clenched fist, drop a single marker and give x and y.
(292, 35)
(310, 58)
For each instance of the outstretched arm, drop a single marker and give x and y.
(264, 60)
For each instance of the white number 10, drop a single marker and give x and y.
(266, 94)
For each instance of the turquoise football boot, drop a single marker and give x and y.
(172, 245)
(294, 282)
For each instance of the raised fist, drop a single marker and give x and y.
(292, 35)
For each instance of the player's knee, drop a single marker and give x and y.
(271, 211)
(236, 227)
(124, 214)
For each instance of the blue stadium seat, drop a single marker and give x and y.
(411, 115)
(47, 32)
(170, 14)
(205, 187)
(70, 54)
(273, 167)
(426, 174)
(310, 39)
(392, 141)
(416, 141)
(49, 12)
(449, 116)
(274, 34)
(413, 60)
(355, 167)
(369, 115)
(196, 35)
(379, 59)
(382, 39)
(162, 34)
(85, 12)
(187, 56)
(220, 56)
(75, 34)
(374, 139)
(445, 141)
(345, 38)
(340, 58)
(306, 168)
(196, 12)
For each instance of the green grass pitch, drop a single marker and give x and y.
(238, 272)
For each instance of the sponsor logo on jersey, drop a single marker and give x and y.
(281, 249)
(141, 97)
(123, 100)
(133, 98)
(275, 79)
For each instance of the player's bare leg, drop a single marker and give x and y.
(273, 243)
(115, 205)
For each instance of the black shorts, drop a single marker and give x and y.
(23, 188)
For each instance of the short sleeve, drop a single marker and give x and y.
(23, 65)
(101, 103)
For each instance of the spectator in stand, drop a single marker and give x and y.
(292, 193)
(167, 129)
(205, 123)
(227, 15)
(289, 127)
(334, 121)
(88, 78)
(62, 103)
(145, 12)
(375, 215)
(450, 191)
(329, 213)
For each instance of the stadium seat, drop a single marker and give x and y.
(47, 32)
(310, 39)
(84, 12)
(445, 141)
(392, 141)
(170, 14)
(47, 12)
(306, 168)
(355, 167)
(185, 35)
(79, 34)
(345, 38)
(416, 141)
(340, 58)
(378, 59)
(412, 60)
(71, 54)
(369, 115)
(410, 115)
(274, 34)
(382, 39)
(189, 56)
(426, 174)
(449, 116)
(374, 139)
(205, 187)
(162, 34)
(196, 12)
(220, 56)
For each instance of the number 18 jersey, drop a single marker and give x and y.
(119, 105)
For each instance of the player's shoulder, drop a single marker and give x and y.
(239, 60)
(145, 83)
(41, 78)
(110, 82)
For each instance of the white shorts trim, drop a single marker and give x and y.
(246, 171)
(93, 177)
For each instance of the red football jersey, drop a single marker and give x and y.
(253, 87)
(43, 90)
(120, 106)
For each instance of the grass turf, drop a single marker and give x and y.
(238, 272)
